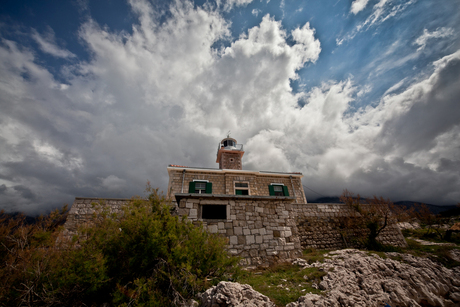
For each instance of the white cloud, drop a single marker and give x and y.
(256, 12)
(162, 95)
(364, 90)
(358, 5)
(381, 11)
(53, 155)
(48, 44)
(395, 87)
(229, 4)
(112, 182)
(438, 33)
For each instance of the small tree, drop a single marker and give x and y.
(371, 214)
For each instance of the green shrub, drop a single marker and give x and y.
(142, 257)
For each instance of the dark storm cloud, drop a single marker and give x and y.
(433, 114)
(25, 192)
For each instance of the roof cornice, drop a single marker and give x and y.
(232, 171)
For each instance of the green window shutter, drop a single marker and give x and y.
(286, 191)
(208, 187)
(271, 190)
(191, 187)
(239, 192)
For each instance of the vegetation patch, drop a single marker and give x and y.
(313, 255)
(283, 283)
(438, 253)
(142, 257)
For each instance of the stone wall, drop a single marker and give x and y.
(230, 160)
(260, 229)
(84, 209)
(322, 226)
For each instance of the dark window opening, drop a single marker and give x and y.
(214, 212)
(278, 190)
(228, 143)
(241, 192)
(200, 187)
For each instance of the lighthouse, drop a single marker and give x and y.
(230, 154)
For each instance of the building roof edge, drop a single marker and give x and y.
(217, 170)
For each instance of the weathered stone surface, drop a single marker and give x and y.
(359, 279)
(229, 294)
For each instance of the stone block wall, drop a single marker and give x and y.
(261, 230)
(230, 160)
(83, 211)
(321, 226)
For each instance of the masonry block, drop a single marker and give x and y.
(238, 230)
(250, 240)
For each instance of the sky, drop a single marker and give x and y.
(97, 98)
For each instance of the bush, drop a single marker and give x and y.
(144, 256)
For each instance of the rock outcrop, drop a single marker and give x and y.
(230, 294)
(356, 278)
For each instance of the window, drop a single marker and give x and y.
(278, 190)
(241, 188)
(200, 187)
(228, 143)
(214, 212)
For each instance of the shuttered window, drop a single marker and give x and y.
(200, 187)
(278, 190)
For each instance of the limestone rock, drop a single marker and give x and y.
(407, 225)
(230, 294)
(359, 279)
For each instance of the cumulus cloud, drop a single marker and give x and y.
(358, 5)
(164, 95)
(422, 40)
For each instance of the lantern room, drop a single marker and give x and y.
(230, 154)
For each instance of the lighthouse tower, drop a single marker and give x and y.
(230, 154)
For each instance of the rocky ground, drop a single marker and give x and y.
(357, 278)
(234, 295)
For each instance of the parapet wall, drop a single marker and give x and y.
(260, 229)
(83, 210)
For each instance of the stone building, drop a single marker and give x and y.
(264, 215)
(251, 208)
(230, 179)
